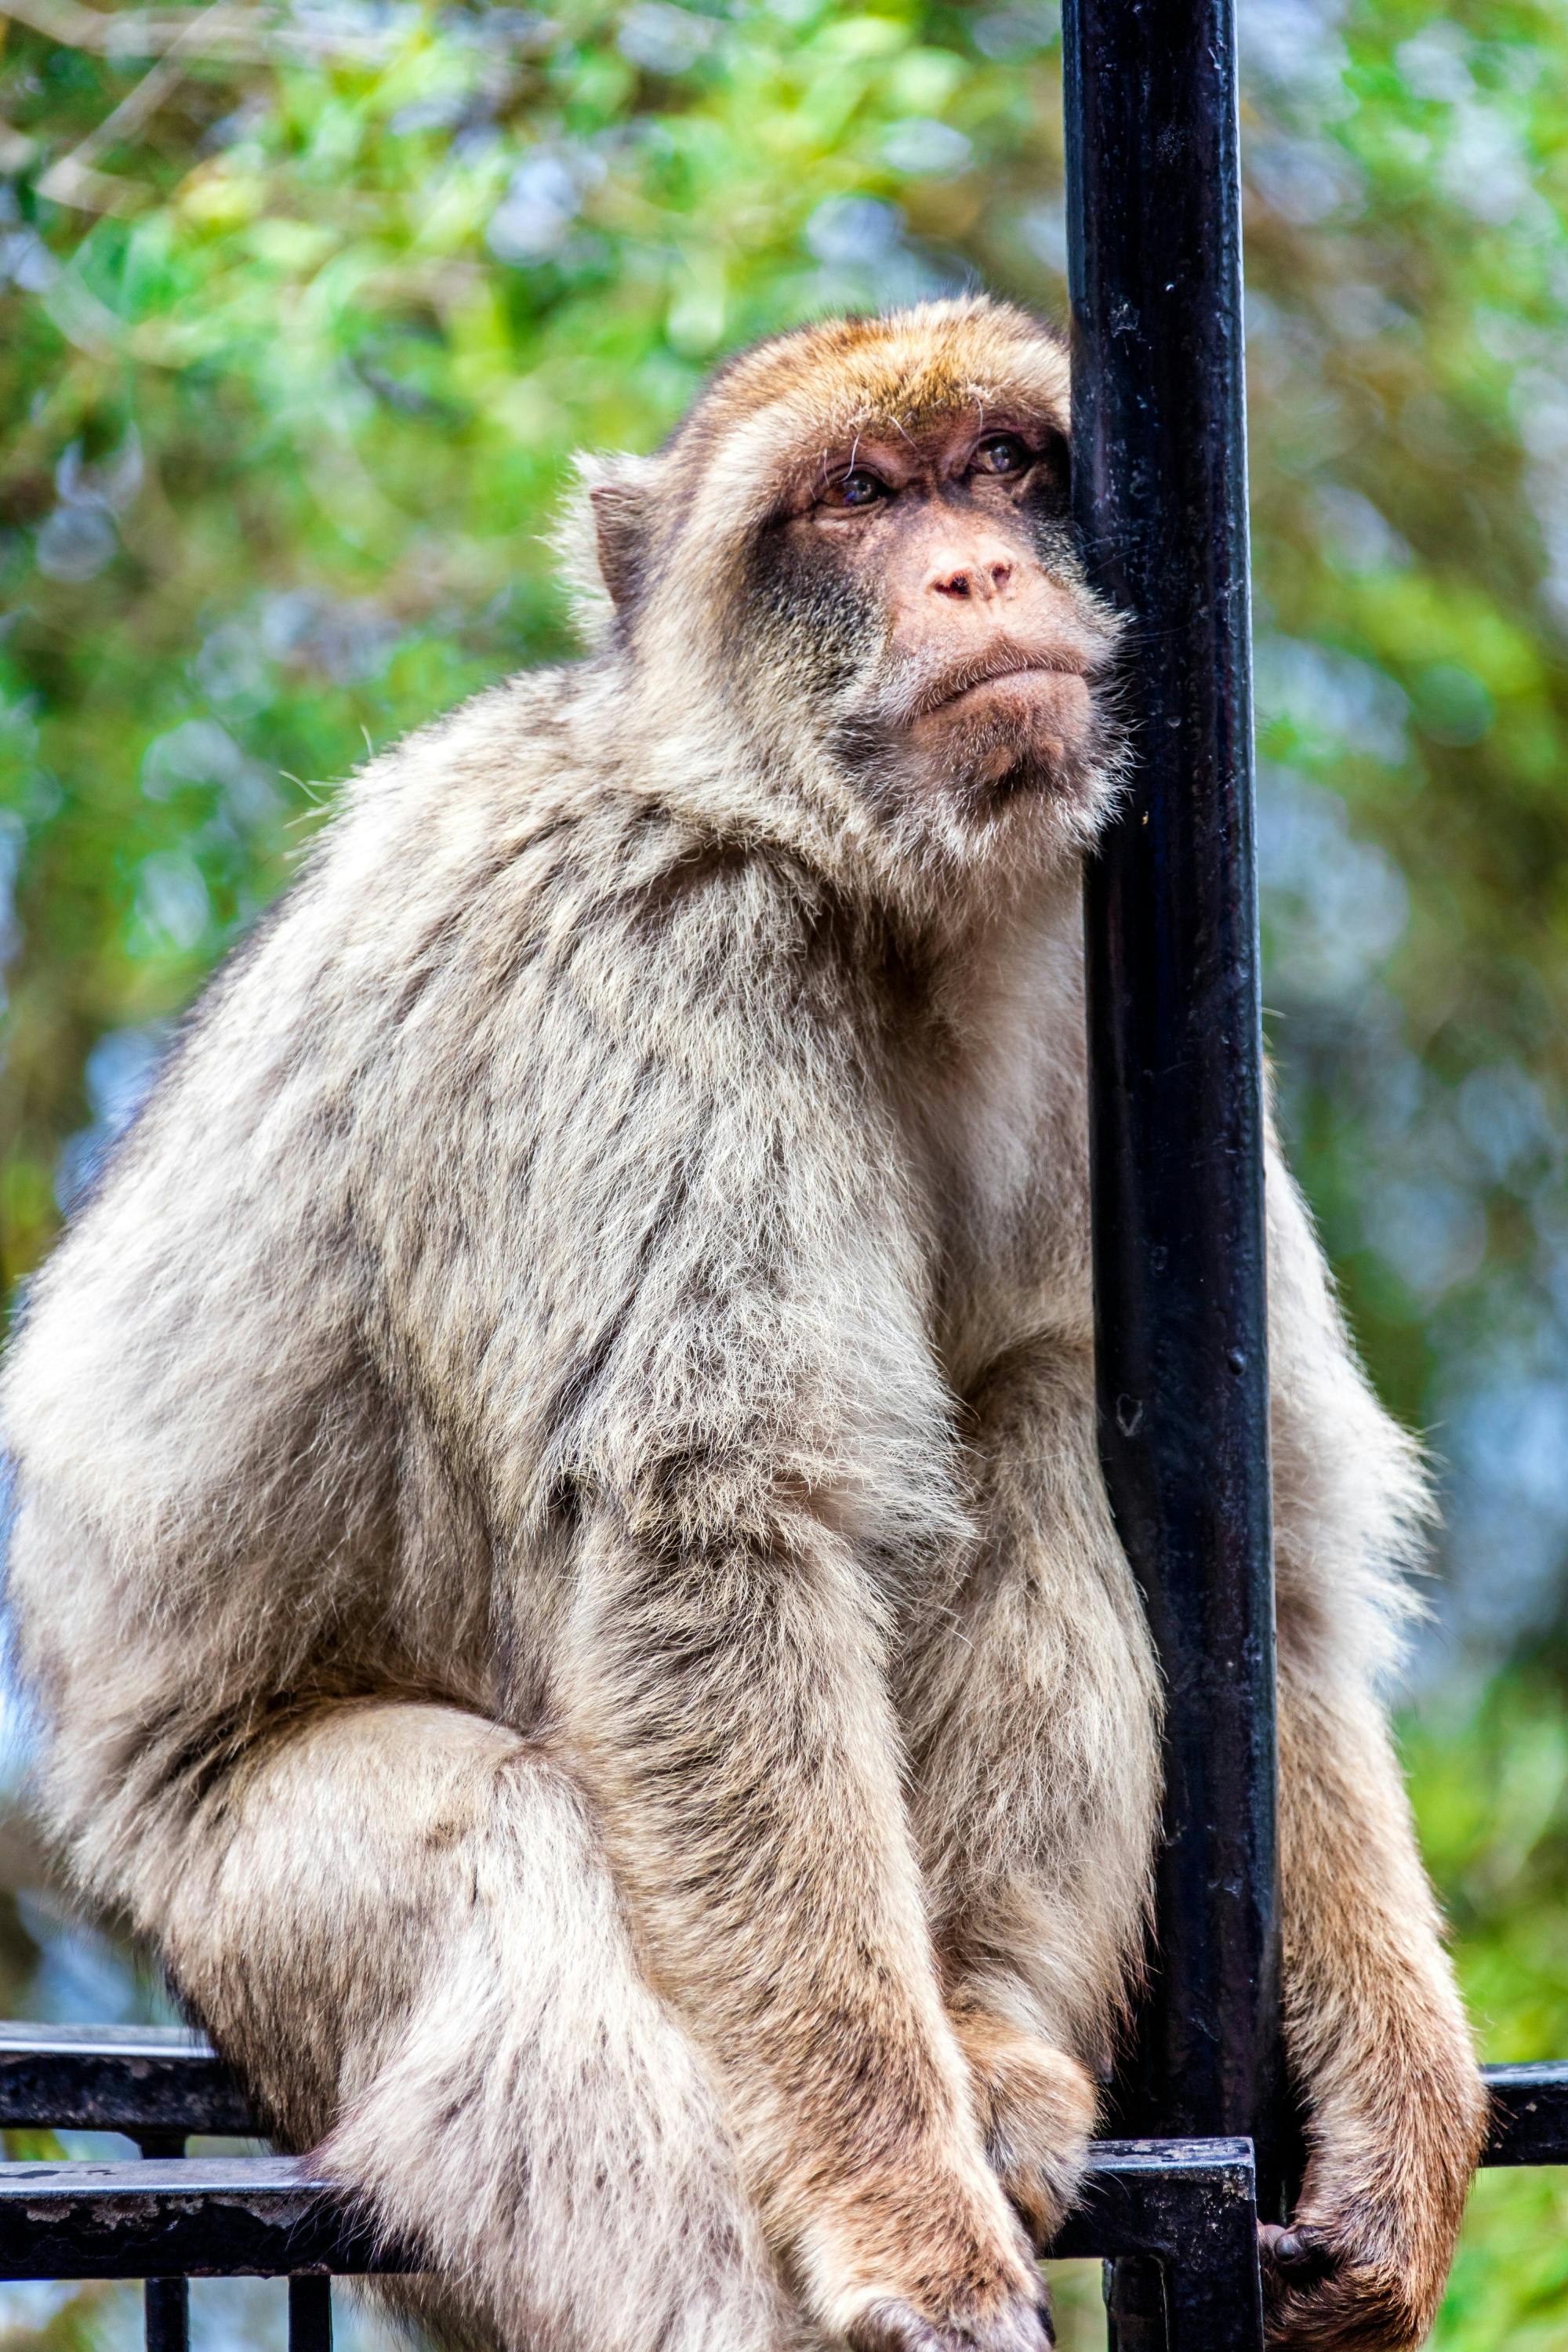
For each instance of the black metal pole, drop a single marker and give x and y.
(1160, 492)
(165, 2301)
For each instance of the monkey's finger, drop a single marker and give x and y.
(1295, 2251)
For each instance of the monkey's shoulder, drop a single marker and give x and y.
(512, 841)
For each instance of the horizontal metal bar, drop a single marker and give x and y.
(1134, 2187)
(202, 2217)
(1528, 2113)
(120, 2078)
(143, 2079)
(277, 2215)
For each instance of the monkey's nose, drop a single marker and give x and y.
(982, 575)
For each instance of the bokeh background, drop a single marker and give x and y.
(303, 309)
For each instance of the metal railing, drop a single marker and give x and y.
(1187, 2207)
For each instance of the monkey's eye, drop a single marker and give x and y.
(856, 489)
(1001, 453)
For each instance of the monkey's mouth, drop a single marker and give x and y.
(1010, 717)
(1038, 697)
(1025, 679)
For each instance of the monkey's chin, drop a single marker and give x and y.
(1024, 767)
(983, 770)
(1028, 731)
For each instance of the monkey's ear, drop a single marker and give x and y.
(607, 536)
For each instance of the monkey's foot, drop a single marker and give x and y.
(927, 2257)
(1035, 2109)
(1318, 2294)
(893, 2326)
(1362, 2264)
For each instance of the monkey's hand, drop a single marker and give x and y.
(1362, 2263)
(1036, 2108)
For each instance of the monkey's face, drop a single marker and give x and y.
(956, 647)
(851, 571)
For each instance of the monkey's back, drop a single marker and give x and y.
(228, 1500)
(508, 991)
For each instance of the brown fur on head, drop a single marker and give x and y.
(856, 549)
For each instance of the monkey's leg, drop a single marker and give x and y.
(1032, 1710)
(395, 1918)
(1375, 2038)
(723, 1696)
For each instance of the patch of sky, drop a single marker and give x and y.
(847, 230)
(1335, 908)
(27, 2305)
(1331, 698)
(1484, 167)
(251, 2315)
(370, 21)
(663, 39)
(1357, 536)
(202, 753)
(543, 200)
(347, 638)
(232, 129)
(79, 539)
(924, 147)
(1505, 1436)
(26, 261)
(1008, 34)
(443, 111)
(79, 1972)
(230, 667)
(1305, 181)
(1540, 405)
(1508, 1126)
(116, 1076)
(13, 842)
(76, 543)
(1045, 232)
(1432, 1232)
(1293, 44)
(1361, 313)
(867, 260)
(172, 907)
(1434, 63)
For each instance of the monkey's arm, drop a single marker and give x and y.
(1033, 1710)
(1376, 2036)
(690, 1341)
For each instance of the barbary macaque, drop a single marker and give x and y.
(559, 1542)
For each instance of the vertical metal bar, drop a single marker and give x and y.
(1160, 494)
(165, 2301)
(167, 2315)
(309, 2313)
(1213, 2299)
(1135, 2310)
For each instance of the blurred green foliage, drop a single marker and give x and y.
(303, 309)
